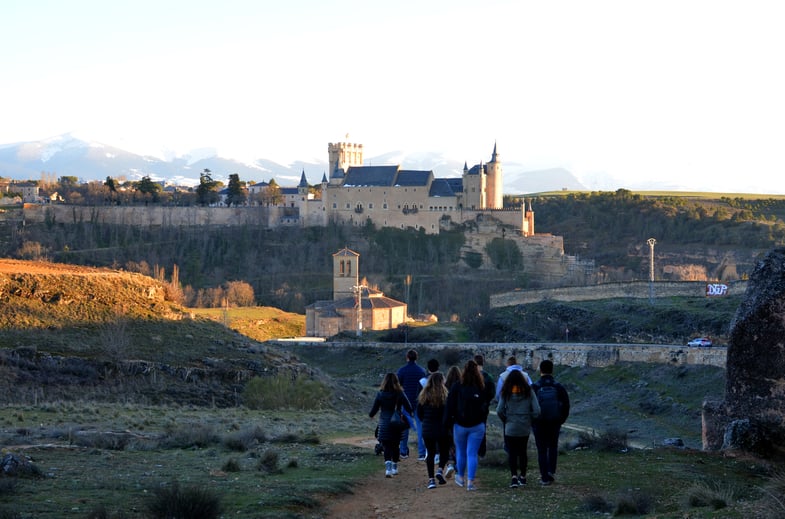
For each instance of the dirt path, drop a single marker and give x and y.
(404, 495)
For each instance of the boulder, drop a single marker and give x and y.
(752, 416)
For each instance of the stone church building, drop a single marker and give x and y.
(354, 306)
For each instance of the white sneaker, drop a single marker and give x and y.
(394, 469)
(449, 470)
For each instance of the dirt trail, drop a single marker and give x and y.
(404, 495)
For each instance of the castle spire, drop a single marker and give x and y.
(303, 180)
(493, 157)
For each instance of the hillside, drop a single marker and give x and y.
(114, 335)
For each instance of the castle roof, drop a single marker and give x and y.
(413, 178)
(370, 176)
(443, 187)
(303, 181)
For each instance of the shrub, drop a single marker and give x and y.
(244, 439)
(285, 392)
(269, 462)
(610, 440)
(711, 495)
(231, 465)
(596, 505)
(190, 435)
(635, 503)
(773, 501)
(192, 502)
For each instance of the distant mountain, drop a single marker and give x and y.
(66, 155)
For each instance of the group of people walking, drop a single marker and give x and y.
(449, 415)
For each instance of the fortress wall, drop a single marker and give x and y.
(635, 289)
(150, 216)
(529, 355)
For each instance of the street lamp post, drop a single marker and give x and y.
(651, 242)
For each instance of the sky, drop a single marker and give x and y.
(623, 94)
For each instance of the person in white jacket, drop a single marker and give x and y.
(512, 365)
(517, 408)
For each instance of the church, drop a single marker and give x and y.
(354, 306)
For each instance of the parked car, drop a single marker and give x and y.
(700, 341)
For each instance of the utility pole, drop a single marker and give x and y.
(358, 289)
(651, 242)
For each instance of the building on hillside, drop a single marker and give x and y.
(354, 305)
(390, 196)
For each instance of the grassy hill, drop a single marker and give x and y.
(114, 395)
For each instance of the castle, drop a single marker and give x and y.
(389, 196)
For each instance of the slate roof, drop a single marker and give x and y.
(360, 176)
(441, 187)
(413, 178)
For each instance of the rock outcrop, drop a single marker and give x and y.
(752, 417)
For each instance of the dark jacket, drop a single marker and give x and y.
(467, 406)
(385, 403)
(409, 376)
(432, 418)
(563, 397)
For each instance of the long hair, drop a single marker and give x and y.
(453, 376)
(471, 375)
(435, 392)
(516, 383)
(391, 384)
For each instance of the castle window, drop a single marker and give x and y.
(385, 205)
(342, 268)
(370, 205)
(335, 206)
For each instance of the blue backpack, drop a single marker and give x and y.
(550, 406)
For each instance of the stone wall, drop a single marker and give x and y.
(574, 355)
(635, 289)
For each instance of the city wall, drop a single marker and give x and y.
(635, 289)
(529, 355)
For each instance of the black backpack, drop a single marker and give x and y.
(472, 407)
(550, 406)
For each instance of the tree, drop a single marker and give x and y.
(207, 190)
(237, 194)
(271, 195)
(146, 186)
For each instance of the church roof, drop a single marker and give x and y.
(345, 252)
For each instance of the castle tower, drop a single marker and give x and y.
(343, 155)
(345, 273)
(494, 189)
(302, 187)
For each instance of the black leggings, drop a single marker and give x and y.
(392, 450)
(444, 443)
(516, 453)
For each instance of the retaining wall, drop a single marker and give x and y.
(574, 355)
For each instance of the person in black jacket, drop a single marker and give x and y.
(554, 409)
(430, 411)
(390, 399)
(466, 413)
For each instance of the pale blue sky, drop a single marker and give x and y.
(689, 92)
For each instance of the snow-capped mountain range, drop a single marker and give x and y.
(67, 155)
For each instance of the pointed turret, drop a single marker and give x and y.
(493, 157)
(303, 180)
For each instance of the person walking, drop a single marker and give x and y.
(517, 408)
(409, 376)
(489, 396)
(512, 365)
(466, 412)
(453, 377)
(430, 412)
(390, 399)
(554, 410)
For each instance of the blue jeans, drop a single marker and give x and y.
(405, 436)
(467, 445)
